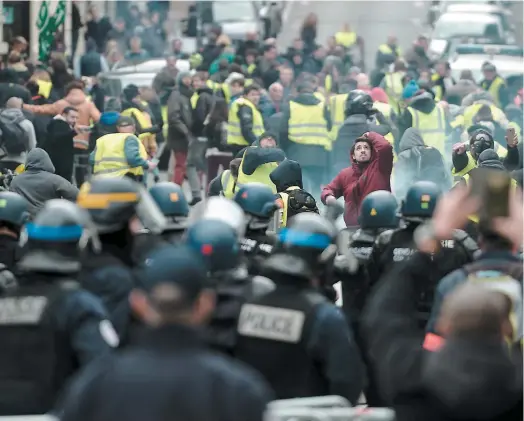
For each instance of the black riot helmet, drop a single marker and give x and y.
(310, 238)
(113, 202)
(358, 102)
(56, 237)
(479, 141)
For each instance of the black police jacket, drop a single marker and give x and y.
(10, 250)
(397, 246)
(284, 335)
(49, 328)
(256, 247)
(170, 374)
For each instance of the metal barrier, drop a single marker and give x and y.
(314, 402)
(329, 414)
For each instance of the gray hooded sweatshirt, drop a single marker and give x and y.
(14, 114)
(39, 183)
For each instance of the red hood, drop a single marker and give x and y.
(379, 95)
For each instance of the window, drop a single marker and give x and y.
(233, 11)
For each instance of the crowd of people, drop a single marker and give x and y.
(147, 302)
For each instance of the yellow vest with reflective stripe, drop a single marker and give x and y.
(336, 107)
(260, 175)
(346, 39)
(494, 89)
(432, 127)
(214, 86)
(475, 218)
(234, 134)
(284, 206)
(227, 92)
(457, 175)
(307, 125)
(110, 157)
(143, 119)
(386, 49)
(393, 87)
(228, 184)
(320, 96)
(44, 88)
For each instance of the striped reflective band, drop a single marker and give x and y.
(44, 233)
(104, 200)
(304, 239)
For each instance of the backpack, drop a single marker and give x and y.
(430, 165)
(15, 139)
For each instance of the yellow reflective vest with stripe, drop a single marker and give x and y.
(432, 127)
(336, 107)
(307, 125)
(234, 133)
(228, 184)
(386, 49)
(494, 88)
(260, 175)
(144, 120)
(44, 88)
(457, 175)
(194, 100)
(110, 157)
(393, 87)
(467, 178)
(284, 197)
(471, 111)
(346, 39)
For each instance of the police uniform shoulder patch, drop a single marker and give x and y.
(108, 333)
(22, 310)
(272, 323)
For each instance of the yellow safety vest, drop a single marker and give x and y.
(110, 157)
(328, 83)
(234, 134)
(386, 110)
(475, 218)
(260, 175)
(194, 100)
(320, 96)
(144, 120)
(471, 111)
(307, 125)
(227, 92)
(432, 127)
(394, 88)
(228, 184)
(165, 127)
(284, 200)
(346, 39)
(44, 88)
(214, 86)
(386, 49)
(458, 175)
(494, 88)
(251, 68)
(336, 106)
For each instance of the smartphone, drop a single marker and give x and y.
(493, 188)
(510, 134)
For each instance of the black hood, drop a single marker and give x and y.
(490, 159)
(410, 139)
(287, 174)
(423, 102)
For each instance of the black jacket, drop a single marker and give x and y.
(204, 105)
(180, 119)
(468, 379)
(60, 148)
(179, 378)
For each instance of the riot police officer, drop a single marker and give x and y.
(378, 213)
(396, 246)
(172, 202)
(292, 198)
(259, 205)
(49, 326)
(283, 334)
(13, 215)
(120, 208)
(217, 242)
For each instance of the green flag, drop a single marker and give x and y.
(59, 16)
(42, 15)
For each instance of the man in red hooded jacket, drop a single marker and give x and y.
(370, 170)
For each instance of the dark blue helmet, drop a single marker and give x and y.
(379, 210)
(13, 209)
(256, 199)
(170, 199)
(421, 199)
(216, 241)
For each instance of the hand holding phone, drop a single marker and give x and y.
(511, 137)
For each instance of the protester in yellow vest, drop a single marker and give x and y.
(121, 154)
(442, 80)
(424, 114)
(259, 160)
(132, 106)
(224, 184)
(346, 37)
(233, 87)
(495, 85)
(304, 136)
(393, 86)
(292, 198)
(337, 105)
(387, 53)
(245, 122)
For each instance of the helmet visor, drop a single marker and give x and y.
(149, 213)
